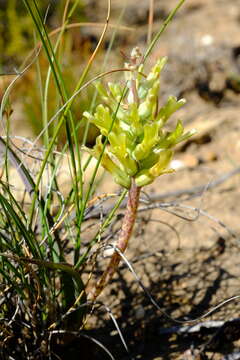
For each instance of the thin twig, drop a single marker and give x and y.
(197, 190)
(194, 191)
(150, 21)
(122, 243)
(164, 313)
(189, 329)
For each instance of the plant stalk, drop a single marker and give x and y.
(122, 243)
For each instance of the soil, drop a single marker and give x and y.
(187, 258)
(186, 254)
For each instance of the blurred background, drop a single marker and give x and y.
(202, 43)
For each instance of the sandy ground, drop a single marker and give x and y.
(188, 257)
(190, 262)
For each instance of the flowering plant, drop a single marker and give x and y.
(137, 148)
(138, 145)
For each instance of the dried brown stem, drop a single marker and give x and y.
(122, 243)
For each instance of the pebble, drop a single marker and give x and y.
(139, 312)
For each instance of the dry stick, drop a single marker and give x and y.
(122, 243)
(192, 192)
(150, 21)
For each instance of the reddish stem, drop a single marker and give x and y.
(122, 243)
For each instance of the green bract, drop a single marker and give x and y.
(138, 146)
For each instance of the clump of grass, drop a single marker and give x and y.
(43, 292)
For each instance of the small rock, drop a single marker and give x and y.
(139, 312)
(190, 160)
(177, 164)
(207, 40)
(208, 156)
